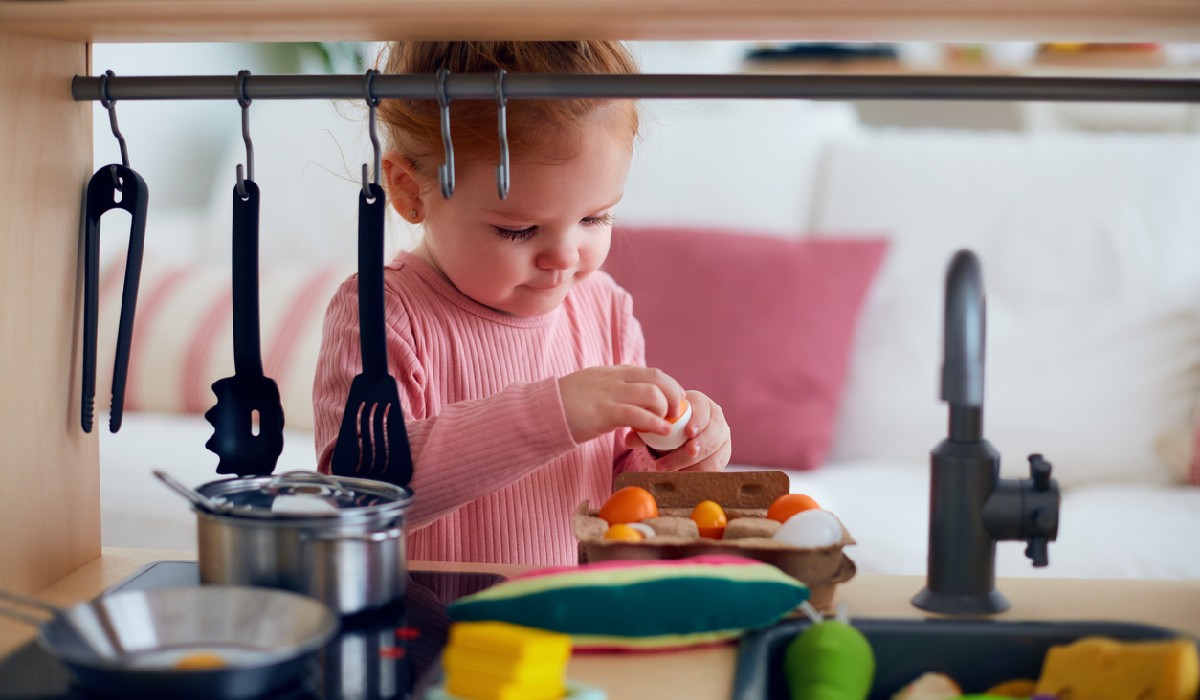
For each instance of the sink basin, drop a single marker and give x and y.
(975, 653)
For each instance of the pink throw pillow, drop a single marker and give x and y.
(763, 325)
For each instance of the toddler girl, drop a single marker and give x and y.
(520, 364)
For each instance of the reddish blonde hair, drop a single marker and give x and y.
(413, 127)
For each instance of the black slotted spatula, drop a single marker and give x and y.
(244, 448)
(373, 441)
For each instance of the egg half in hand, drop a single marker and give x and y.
(675, 438)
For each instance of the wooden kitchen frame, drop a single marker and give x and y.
(49, 480)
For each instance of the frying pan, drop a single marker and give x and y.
(201, 642)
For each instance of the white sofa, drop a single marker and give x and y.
(1090, 246)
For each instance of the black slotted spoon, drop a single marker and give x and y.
(373, 441)
(243, 449)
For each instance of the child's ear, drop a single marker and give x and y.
(400, 180)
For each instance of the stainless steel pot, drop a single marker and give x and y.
(338, 539)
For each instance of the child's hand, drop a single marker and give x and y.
(708, 446)
(599, 400)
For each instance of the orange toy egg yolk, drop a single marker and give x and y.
(629, 505)
(788, 505)
(683, 406)
(200, 661)
(710, 519)
(623, 533)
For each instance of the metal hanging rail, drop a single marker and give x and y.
(482, 86)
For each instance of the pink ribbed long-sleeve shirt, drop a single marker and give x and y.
(496, 472)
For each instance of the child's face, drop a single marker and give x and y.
(521, 255)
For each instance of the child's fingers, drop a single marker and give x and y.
(714, 462)
(701, 413)
(671, 390)
(639, 419)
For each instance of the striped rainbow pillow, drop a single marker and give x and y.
(634, 605)
(182, 336)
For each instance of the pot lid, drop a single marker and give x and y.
(305, 494)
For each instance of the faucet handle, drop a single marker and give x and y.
(1042, 524)
(1039, 551)
(1039, 472)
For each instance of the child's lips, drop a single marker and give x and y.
(543, 287)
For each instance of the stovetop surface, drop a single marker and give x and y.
(379, 654)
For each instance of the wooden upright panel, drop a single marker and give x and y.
(49, 478)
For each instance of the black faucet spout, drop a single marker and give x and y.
(964, 331)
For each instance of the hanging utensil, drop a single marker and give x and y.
(373, 440)
(112, 187)
(247, 419)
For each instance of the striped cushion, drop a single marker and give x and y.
(182, 337)
(641, 604)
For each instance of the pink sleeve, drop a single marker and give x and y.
(630, 350)
(468, 450)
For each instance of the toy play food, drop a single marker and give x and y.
(930, 686)
(710, 519)
(645, 530)
(675, 438)
(495, 660)
(811, 528)
(640, 604)
(623, 533)
(200, 660)
(788, 505)
(830, 660)
(629, 505)
(1100, 668)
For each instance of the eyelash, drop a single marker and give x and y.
(525, 234)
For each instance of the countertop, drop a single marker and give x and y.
(708, 673)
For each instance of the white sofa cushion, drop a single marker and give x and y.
(1089, 250)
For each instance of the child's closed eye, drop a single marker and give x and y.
(524, 234)
(521, 234)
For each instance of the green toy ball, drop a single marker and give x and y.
(829, 661)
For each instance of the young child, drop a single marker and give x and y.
(520, 364)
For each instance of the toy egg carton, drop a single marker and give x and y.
(741, 495)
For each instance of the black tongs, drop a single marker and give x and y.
(102, 197)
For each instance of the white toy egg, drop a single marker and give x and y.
(675, 438)
(810, 529)
(647, 531)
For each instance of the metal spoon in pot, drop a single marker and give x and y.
(198, 499)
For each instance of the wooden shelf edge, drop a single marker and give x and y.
(817, 20)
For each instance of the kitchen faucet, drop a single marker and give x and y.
(970, 506)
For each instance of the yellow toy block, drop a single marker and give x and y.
(501, 661)
(529, 669)
(505, 639)
(1100, 668)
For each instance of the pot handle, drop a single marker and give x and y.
(305, 478)
(394, 533)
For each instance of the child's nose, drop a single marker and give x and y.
(561, 256)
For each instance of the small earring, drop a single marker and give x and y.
(412, 213)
